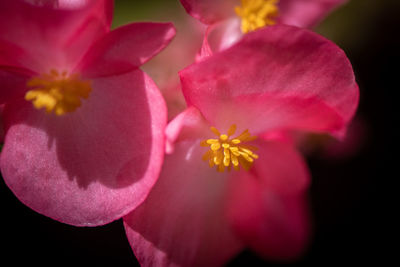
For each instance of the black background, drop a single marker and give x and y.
(351, 199)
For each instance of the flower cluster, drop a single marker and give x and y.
(87, 140)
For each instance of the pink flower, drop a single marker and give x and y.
(280, 78)
(84, 126)
(230, 19)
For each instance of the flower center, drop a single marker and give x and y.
(256, 14)
(57, 92)
(225, 152)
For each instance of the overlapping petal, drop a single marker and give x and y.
(273, 171)
(46, 28)
(222, 35)
(13, 56)
(183, 222)
(275, 226)
(300, 13)
(281, 77)
(225, 26)
(126, 48)
(210, 11)
(91, 166)
(306, 13)
(268, 207)
(189, 125)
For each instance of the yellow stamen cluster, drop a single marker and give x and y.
(225, 152)
(57, 92)
(256, 14)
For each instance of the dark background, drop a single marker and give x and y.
(351, 200)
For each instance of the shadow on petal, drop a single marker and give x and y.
(101, 159)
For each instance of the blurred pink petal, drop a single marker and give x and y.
(276, 226)
(179, 54)
(273, 169)
(286, 80)
(306, 13)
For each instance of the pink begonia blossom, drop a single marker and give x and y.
(230, 19)
(202, 211)
(84, 126)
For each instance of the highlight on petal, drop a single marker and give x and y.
(126, 48)
(268, 207)
(277, 78)
(53, 34)
(91, 166)
(182, 222)
(188, 125)
(306, 13)
(220, 36)
(210, 11)
(225, 34)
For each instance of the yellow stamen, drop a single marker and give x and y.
(57, 92)
(256, 14)
(225, 152)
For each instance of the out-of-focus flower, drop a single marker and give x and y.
(84, 126)
(202, 211)
(230, 19)
(180, 53)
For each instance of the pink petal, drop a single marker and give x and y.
(126, 48)
(11, 55)
(267, 205)
(220, 36)
(282, 169)
(44, 31)
(182, 222)
(1, 125)
(13, 83)
(210, 11)
(225, 34)
(306, 13)
(189, 125)
(276, 78)
(91, 166)
(205, 50)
